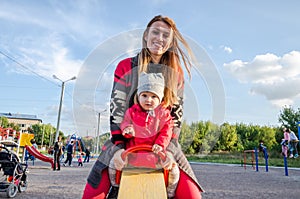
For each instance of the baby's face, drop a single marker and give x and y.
(148, 101)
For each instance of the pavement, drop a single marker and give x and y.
(219, 181)
(43, 182)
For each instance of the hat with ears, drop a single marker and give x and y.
(151, 82)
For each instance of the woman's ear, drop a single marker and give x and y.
(145, 35)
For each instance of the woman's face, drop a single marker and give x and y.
(158, 39)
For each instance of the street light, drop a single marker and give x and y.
(60, 103)
(98, 129)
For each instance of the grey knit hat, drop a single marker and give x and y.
(151, 82)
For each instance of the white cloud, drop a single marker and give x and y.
(282, 102)
(226, 49)
(272, 76)
(46, 59)
(52, 35)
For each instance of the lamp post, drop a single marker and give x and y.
(60, 103)
(298, 129)
(98, 129)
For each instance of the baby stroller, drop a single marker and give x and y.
(12, 173)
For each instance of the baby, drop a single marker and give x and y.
(148, 122)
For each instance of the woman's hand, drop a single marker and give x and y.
(128, 132)
(169, 163)
(119, 163)
(157, 148)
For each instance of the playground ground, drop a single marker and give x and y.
(219, 181)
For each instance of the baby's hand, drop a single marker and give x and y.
(156, 148)
(128, 132)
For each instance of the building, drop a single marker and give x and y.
(25, 121)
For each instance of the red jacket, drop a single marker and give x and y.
(154, 127)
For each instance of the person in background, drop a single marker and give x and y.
(87, 155)
(63, 153)
(80, 160)
(69, 153)
(284, 142)
(263, 149)
(31, 157)
(293, 144)
(57, 153)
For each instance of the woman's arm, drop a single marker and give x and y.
(177, 113)
(119, 96)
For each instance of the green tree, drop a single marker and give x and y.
(289, 117)
(186, 137)
(249, 135)
(278, 137)
(228, 138)
(198, 130)
(4, 122)
(206, 137)
(14, 126)
(267, 135)
(37, 130)
(44, 133)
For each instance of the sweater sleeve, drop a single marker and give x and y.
(118, 100)
(177, 113)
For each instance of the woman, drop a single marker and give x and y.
(160, 54)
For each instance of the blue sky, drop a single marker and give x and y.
(253, 48)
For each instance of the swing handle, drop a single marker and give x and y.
(143, 147)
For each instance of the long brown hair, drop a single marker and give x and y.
(171, 58)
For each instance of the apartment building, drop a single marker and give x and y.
(23, 120)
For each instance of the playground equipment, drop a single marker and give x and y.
(298, 123)
(8, 134)
(285, 166)
(9, 138)
(245, 158)
(254, 153)
(78, 143)
(25, 142)
(254, 158)
(141, 183)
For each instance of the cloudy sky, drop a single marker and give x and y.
(248, 55)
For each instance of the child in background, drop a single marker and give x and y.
(263, 149)
(80, 160)
(293, 144)
(284, 142)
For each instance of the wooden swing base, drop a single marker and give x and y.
(142, 184)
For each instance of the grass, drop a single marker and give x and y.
(238, 158)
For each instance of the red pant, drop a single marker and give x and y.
(186, 188)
